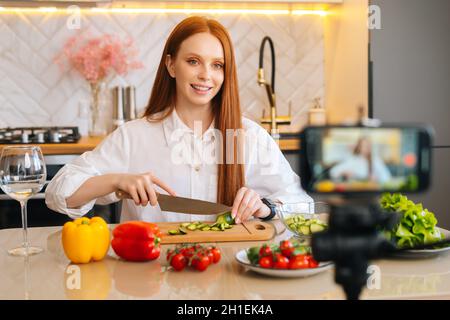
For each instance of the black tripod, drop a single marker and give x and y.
(353, 238)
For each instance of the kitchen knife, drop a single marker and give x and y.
(184, 205)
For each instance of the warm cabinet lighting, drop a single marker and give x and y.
(302, 12)
(190, 10)
(279, 11)
(47, 9)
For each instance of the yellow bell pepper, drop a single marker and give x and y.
(85, 239)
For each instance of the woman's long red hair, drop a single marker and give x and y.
(226, 105)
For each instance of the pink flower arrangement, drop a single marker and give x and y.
(97, 58)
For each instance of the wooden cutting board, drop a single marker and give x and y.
(246, 231)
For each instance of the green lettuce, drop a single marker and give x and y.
(417, 225)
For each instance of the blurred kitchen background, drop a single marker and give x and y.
(314, 58)
(321, 53)
(410, 82)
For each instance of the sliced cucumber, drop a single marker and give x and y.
(197, 225)
(192, 227)
(305, 226)
(174, 232)
(182, 230)
(225, 218)
(316, 227)
(304, 230)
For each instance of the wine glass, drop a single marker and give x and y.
(22, 174)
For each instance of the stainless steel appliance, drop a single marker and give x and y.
(39, 135)
(118, 111)
(124, 104)
(129, 103)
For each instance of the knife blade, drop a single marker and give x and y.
(184, 205)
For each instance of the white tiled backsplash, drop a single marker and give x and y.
(34, 92)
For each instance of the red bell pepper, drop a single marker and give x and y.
(136, 241)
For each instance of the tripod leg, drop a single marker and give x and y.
(352, 292)
(352, 275)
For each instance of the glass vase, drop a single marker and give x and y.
(97, 125)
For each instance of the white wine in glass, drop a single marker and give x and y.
(22, 174)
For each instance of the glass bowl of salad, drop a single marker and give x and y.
(304, 218)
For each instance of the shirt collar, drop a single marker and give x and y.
(174, 129)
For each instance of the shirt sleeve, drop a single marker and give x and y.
(110, 156)
(269, 173)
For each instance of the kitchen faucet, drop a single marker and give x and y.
(274, 120)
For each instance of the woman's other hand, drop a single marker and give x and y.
(141, 187)
(247, 203)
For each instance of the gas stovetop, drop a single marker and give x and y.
(35, 135)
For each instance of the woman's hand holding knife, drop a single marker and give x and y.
(141, 187)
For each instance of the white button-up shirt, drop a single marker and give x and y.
(181, 158)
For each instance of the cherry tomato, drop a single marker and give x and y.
(178, 262)
(188, 252)
(169, 254)
(266, 262)
(196, 257)
(200, 262)
(281, 262)
(313, 263)
(217, 254)
(193, 262)
(300, 261)
(265, 251)
(287, 248)
(210, 255)
(298, 255)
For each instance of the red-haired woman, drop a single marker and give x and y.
(188, 142)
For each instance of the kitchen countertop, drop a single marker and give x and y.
(84, 144)
(50, 275)
(289, 144)
(89, 143)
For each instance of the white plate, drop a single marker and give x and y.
(241, 257)
(423, 253)
(419, 254)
